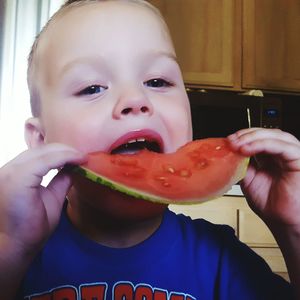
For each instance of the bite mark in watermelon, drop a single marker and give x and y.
(201, 170)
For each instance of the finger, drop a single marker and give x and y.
(58, 188)
(30, 155)
(32, 166)
(244, 131)
(55, 160)
(248, 135)
(287, 152)
(46, 162)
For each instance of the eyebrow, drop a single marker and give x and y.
(158, 54)
(98, 60)
(88, 60)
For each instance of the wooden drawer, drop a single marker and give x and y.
(222, 210)
(274, 259)
(253, 231)
(210, 212)
(249, 228)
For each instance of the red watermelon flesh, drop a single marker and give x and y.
(199, 171)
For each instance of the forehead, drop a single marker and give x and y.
(104, 26)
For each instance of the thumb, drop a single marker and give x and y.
(57, 189)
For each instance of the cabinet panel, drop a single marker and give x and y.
(273, 257)
(206, 35)
(253, 230)
(271, 44)
(235, 212)
(209, 211)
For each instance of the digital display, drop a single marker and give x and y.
(271, 113)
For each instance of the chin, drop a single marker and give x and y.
(111, 204)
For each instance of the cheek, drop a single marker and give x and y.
(178, 122)
(84, 131)
(181, 128)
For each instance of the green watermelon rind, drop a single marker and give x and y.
(239, 174)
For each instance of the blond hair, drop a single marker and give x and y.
(35, 101)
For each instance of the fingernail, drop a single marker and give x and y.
(232, 137)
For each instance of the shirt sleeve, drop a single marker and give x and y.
(245, 275)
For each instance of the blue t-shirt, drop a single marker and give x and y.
(183, 260)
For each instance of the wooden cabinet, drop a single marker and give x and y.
(236, 44)
(271, 44)
(235, 212)
(206, 35)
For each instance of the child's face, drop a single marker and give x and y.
(107, 75)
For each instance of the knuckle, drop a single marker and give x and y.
(13, 172)
(7, 179)
(7, 174)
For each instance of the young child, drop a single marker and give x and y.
(101, 74)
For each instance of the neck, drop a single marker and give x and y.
(111, 229)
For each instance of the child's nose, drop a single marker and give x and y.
(132, 104)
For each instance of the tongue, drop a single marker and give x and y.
(130, 148)
(126, 151)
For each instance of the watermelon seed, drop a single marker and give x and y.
(201, 164)
(166, 184)
(168, 168)
(136, 172)
(218, 147)
(171, 170)
(160, 178)
(185, 173)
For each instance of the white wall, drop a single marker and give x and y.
(22, 21)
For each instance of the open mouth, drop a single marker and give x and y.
(136, 145)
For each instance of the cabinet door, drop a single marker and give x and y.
(253, 231)
(207, 39)
(219, 211)
(271, 44)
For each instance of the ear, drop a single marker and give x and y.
(34, 134)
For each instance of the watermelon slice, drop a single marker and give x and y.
(199, 171)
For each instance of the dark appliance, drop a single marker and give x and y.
(218, 114)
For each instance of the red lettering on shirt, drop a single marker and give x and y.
(160, 295)
(61, 293)
(64, 293)
(41, 297)
(175, 296)
(143, 292)
(95, 291)
(123, 291)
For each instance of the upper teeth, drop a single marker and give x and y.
(136, 140)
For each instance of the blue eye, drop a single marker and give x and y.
(91, 90)
(158, 83)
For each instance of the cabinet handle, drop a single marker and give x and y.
(256, 93)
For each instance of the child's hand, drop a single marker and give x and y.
(28, 211)
(272, 183)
